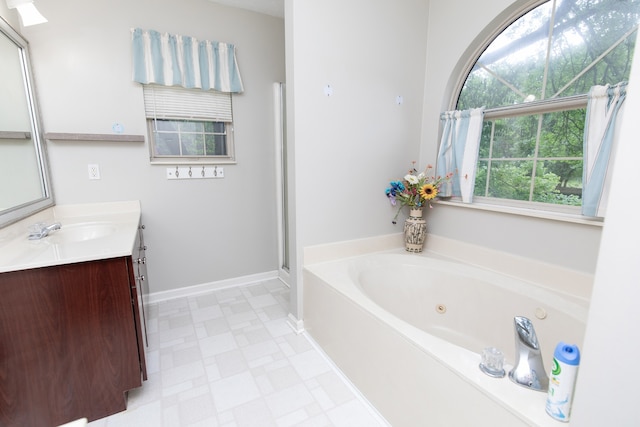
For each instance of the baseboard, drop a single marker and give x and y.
(156, 297)
(296, 324)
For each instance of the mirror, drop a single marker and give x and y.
(24, 178)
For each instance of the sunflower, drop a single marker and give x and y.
(428, 191)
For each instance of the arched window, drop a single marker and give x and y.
(533, 80)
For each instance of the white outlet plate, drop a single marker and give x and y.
(195, 172)
(94, 171)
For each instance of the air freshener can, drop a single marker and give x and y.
(562, 381)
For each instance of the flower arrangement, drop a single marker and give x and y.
(416, 189)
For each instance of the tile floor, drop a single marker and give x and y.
(228, 358)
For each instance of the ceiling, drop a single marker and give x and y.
(268, 7)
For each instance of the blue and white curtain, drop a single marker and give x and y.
(174, 60)
(603, 110)
(458, 153)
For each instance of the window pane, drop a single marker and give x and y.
(192, 144)
(559, 182)
(485, 139)
(509, 70)
(190, 126)
(481, 179)
(216, 145)
(586, 30)
(167, 144)
(562, 134)
(167, 125)
(214, 127)
(592, 43)
(510, 180)
(515, 137)
(190, 138)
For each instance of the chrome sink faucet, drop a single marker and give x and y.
(528, 370)
(43, 231)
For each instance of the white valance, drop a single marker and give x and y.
(174, 60)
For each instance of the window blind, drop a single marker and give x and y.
(166, 102)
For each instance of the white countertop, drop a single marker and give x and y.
(89, 232)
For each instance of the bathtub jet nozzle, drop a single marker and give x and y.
(528, 369)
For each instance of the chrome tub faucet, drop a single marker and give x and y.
(528, 370)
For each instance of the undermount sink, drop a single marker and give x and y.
(82, 232)
(88, 232)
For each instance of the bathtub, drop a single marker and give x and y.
(408, 330)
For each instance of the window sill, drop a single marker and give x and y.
(533, 213)
(194, 162)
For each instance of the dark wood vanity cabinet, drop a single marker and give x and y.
(72, 340)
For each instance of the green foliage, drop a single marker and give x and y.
(512, 180)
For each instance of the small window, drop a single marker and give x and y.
(533, 80)
(189, 125)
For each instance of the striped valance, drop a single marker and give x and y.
(174, 60)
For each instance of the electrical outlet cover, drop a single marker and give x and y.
(94, 171)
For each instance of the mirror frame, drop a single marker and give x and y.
(24, 210)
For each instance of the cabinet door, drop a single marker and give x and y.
(67, 346)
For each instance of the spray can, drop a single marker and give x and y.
(562, 381)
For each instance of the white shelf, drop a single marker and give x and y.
(15, 135)
(87, 137)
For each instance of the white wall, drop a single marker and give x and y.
(198, 231)
(345, 148)
(607, 388)
(11, 17)
(351, 144)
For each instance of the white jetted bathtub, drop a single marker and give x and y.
(408, 331)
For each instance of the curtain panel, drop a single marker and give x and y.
(458, 153)
(604, 107)
(175, 60)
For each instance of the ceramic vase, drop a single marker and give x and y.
(415, 231)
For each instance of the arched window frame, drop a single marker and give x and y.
(482, 42)
(455, 86)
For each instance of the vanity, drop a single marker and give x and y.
(72, 315)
